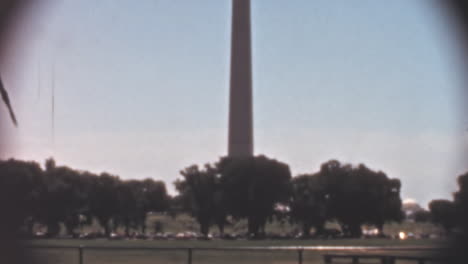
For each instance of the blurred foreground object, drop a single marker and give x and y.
(458, 9)
(10, 248)
(6, 100)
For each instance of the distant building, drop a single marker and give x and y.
(411, 208)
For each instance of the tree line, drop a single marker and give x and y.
(452, 214)
(59, 194)
(257, 189)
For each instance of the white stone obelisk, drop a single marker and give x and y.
(240, 100)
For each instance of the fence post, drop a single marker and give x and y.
(299, 256)
(80, 254)
(189, 260)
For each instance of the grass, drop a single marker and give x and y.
(186, 223)
(235, 243)
(204, 256)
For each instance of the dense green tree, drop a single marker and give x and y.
(103, 200)
(65, 197)
(422, 216)
(201, 194)
(20, 190)
(461, 200)
(156, 196)
(358, 195)
(62, 195)
(248, 188)
(127, 205)
(136, 198)
(388, 202)
(252, 187)
(308, 203)
(444, 213)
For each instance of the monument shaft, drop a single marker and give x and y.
(240, 100)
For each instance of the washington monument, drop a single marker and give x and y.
(240, 96)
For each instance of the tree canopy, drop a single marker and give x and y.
(252, 187)
(359, 195)
(202, 195)
(215, 194)
(62, 195)
(308, 203)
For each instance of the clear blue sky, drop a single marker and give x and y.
(141, 87)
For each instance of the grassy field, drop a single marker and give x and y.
(186, 223)
(169, 256)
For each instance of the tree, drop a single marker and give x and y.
(155, 199)
(391, 202)
(20, 189)
(103, 203)
(422, 216)
(202, 195)
(346, 197)
(65, 197)
(155, 195)
(461, 200)
(62, 195)
(136, 198)
(444, 213)
(128, 205)
(308, 203)
(252, 187)
(359, 195)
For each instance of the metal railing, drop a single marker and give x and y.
(300, 250)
